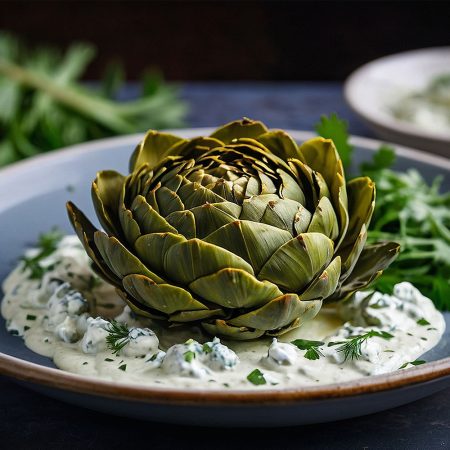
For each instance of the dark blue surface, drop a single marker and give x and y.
(28, 420)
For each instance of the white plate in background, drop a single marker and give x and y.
(373, 88)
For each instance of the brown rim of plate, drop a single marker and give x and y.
(54, 378)
(58, 379)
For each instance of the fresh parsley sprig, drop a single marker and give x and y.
(118, 336)
(352, 348)
(311, 347)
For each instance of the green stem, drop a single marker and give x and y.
(100, 110)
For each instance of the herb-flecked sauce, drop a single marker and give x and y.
(66, 314)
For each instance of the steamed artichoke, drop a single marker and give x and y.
(243, 232)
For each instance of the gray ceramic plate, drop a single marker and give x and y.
(32, 198)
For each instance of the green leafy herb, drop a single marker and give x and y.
(423, 322)
(409, 211)
(207, 348)
(123, 367)
(45, 106)
(31, 317)
(109, 360)
(352, 347)
(311, 347)
(332, 127)
(189, 356)
(256, 377)
(417, 362)
(118, 336)
(47, 244)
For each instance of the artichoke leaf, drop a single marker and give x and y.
(165, 298)
(152, 248)
(325, 284)
(280, 144)
(139, 308)
(253, 208)
(184, 222)
(192, 316)
(222, 328)
(194, 194)
(296, 263)
(106, 194)
(290, 188)
(209, 218)
(153, 149)
(361, 204)
(324, 220)
(187, 261)
(129, 226)
(148, 219)
(254, 242)
(120, 260)
(85, 232)
(244, 128)
(371, 263)
(278, 313)
(234, 288)
(168, 201)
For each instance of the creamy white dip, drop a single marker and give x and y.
(66, 315)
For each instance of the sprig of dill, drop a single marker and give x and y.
(352, 349)
(118, 336)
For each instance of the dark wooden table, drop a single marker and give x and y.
(29, 420)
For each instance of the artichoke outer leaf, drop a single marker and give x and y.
(288, 215)
(193, 148)
(106, 194)
(253, 208)
(85, 232)
(139, 308)
(245, 128)
(361, 204)
(230, 208)
(184, 222)
(321, 156)
(222, 328)
(187, 261)
(280, 144)
(152, 248)
(234, 288)
(371, 263)
(148, 219)
(165, 298)
(351, 253)
(129, 226)
(296, 263)
(120, 260)
(209, 218)
(290, 188)
(194, 194)
(278, 313)
(193, 316)
(267, 185)
(153, 149)
(325, 284)
(324, 220)
(168, 201)
(254, 242)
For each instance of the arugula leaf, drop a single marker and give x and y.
(332, 127)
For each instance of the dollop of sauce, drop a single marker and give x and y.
(72, 316)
